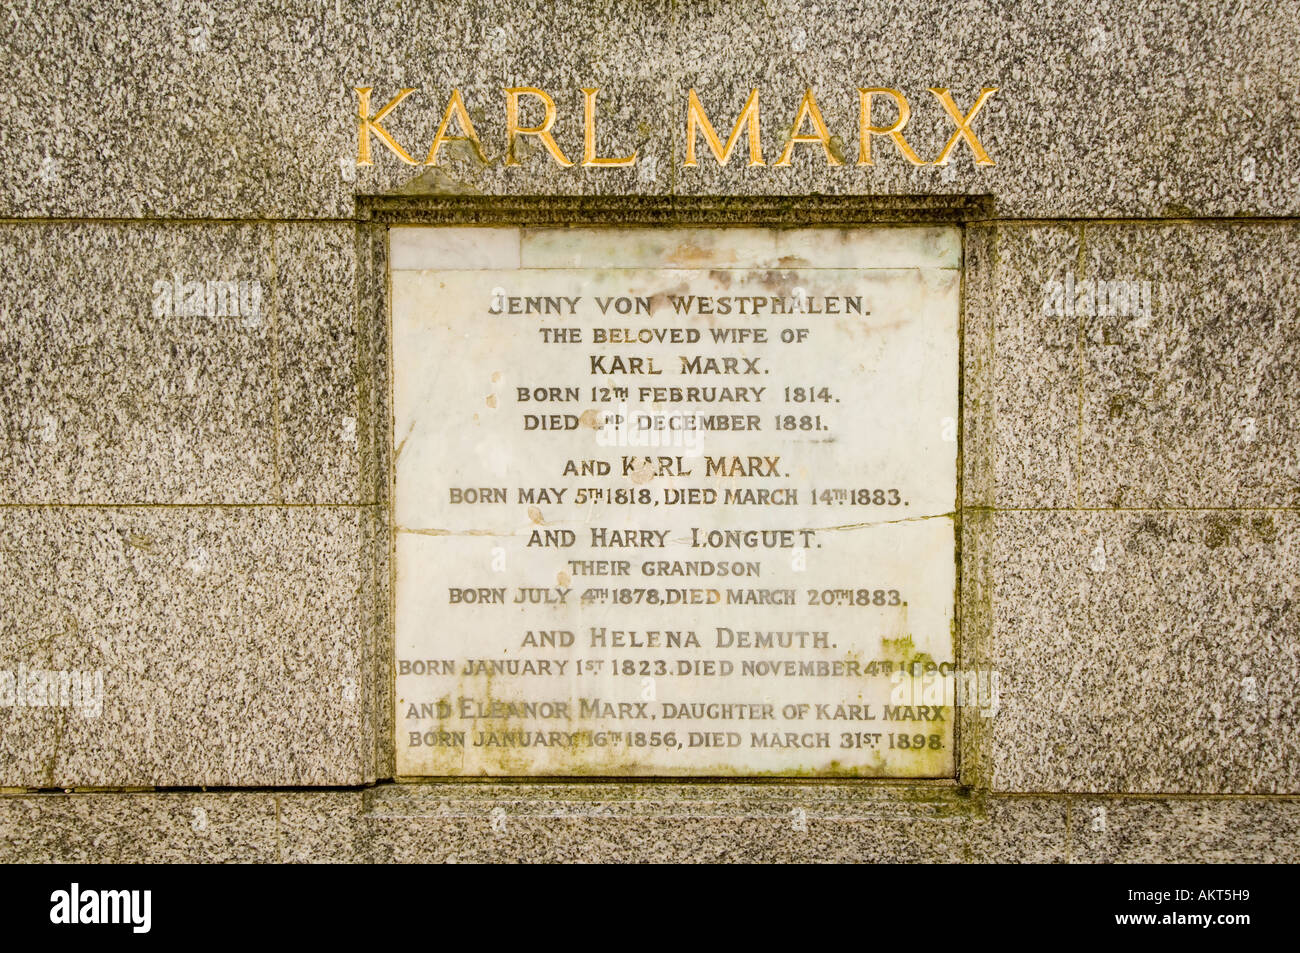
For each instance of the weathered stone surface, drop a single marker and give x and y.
(1169, 830)
(880, 313)
(316, 338)
(142, 827)
(1108, 110)
(976, 715)
(153, 110)
(268, 96)
(979, 302)
(658, 823)
(195, 506)
(668, 823)
(322, 827)
(104, 399)
(1132, 365)
(1146, 652)
(1194, 404)
(233, 644)
(1133, 105)
(1034, 369)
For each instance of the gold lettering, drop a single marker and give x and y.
(455, 108)
(894, 130)
(695, 117)
(543, 132)
(963, 125)
(808, 109)
(589, 156)
(370, 124)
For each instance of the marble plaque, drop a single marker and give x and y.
(675, 502)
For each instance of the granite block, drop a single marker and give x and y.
(1159, 74)
(535, 823)
(227, 646)
(317, 336)
(150, 110)
(252, 112)
(375, 609)
(655, 824)
(1192, 401)
(143, 827)
(374, 375)
(111, 389)
(155, 363)
(322, 827)
(709, 823)
(1035, 370)
(979, 302)
(1179, 830)
(1146, 652)
(979, 698)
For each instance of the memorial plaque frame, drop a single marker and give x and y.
(973, 506)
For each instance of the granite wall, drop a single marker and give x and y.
(196, 506)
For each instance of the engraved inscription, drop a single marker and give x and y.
(675, 501)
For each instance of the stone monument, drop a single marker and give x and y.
(747, 431)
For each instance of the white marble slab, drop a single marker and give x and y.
(413, 249)
(860, 578)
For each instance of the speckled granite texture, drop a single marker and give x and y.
(195, 504)
(602, 823)
(231, 110)
(232, 642)
(102, 400)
